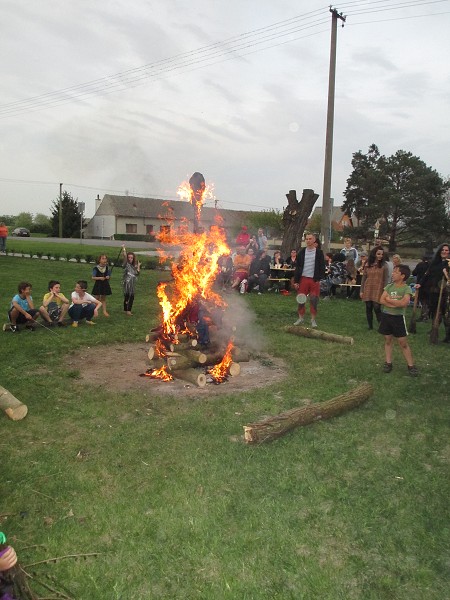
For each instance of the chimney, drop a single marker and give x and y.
(97, 203)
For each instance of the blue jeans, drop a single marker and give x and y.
(78, 311)
(2, 244)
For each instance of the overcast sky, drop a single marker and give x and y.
(135, 95)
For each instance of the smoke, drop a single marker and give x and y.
(239, 321)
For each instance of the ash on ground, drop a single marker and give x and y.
(117, 368)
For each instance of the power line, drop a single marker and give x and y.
(235, 47)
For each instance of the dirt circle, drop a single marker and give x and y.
(119, 368)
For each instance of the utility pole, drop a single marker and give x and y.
(60, 211)
(326, 203)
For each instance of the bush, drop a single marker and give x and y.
(77, 257)
(89, 258)
(69, 256)
(151, 264)
(57, 256)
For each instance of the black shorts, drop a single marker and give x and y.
(393, 325)
(21, 318)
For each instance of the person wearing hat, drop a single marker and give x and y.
(243, 237)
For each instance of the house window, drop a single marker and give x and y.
(149, 229)
(130, 228)
(164, 229)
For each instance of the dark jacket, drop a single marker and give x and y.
(319, 266)
(260, 264)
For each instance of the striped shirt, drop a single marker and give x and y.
(310, 261)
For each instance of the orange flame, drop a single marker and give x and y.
(220, 371)
(161, 373)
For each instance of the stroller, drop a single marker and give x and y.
(336, 275)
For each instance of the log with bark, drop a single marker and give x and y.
(192, 376)
(13, 407)
(318, 335)
(274, 427)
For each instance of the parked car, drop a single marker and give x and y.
(21, 232)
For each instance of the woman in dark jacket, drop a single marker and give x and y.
(435, 276)
(259, 272)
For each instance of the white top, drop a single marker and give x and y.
(87, 299)
(310, 261)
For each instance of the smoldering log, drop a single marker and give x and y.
(13, 407)
(185, 345)
(240, 354)
(274, 427)
(175, 363)
(192, 376)
(157, 363)
(318, 335)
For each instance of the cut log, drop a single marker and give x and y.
(185, 345)
(175, 363)
(272, 428)
(157, 363)
(240, 354)
(12, 406)
(235, 369)
(196, 355)
(191, 375)
(318, 335)
(214, 358)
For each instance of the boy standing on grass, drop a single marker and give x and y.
(395, 299)
(84, 306)
(22, 308)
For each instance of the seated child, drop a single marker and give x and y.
(84, 306)
(55, 305)
(22, 308)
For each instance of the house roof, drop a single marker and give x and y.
(153, 208)
(336, 215)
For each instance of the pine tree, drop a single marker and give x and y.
(71, 217)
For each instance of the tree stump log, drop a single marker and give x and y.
(175, 363)
(318, 335)
(12, 406)
(272, 428)
(191, 375)
(240, 354)
(234, 369)
(197, 356)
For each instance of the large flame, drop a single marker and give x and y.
(219, 372)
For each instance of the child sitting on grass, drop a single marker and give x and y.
(54, 305)
(84, 306)
(22, 308)
(395, 298)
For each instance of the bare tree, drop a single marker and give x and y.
(295, 218)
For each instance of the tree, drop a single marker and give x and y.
(270, 220)
(41, 224)
(295, 218)
(24, 219)
(400, 192)
(8, 220)
(71, 217)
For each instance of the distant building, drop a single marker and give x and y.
(149, 216)
(339, 219)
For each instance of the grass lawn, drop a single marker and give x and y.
(178, 507)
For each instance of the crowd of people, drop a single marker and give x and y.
(82, 306)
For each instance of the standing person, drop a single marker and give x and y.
(131, 270)
(418, 272)
(243, 237)
(374, 279)
(433, 277)
(22, 308)
(101, 274)
(262, 239)
(3, 236)
(395, 298)
(54, 305)
(84, 306)
(348, 250)
(309, 271)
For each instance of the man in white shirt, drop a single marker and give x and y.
(309, 271)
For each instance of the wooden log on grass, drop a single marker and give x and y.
(13, 407)
(318, 335)
(191, 375)
(272, 428)
(234, 369)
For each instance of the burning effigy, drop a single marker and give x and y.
(185, 344)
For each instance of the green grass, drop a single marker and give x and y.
(31, 247)
(351, 508)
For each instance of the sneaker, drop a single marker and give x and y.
(313, 323)
(90, 322)
(413, 371)
(259, 293)
(13, 328)
(75, 324)
(299, 321)
(387, 367)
